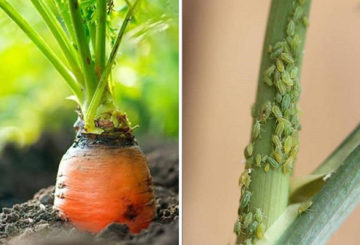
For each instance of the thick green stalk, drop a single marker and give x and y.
(40, 43)
(269, 177)
(330, 206)
(60, 36)
(83, 45)
(95, 102)
(100, 51)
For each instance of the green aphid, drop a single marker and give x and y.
(276, 53)
(256, 129)
(268, 81)
(270, 48)
(298, 13)
(285, 103)
(260, 231)
(287, 58)
(265, 111)
(276, 111)
(294, 42)
(279, 129)
(273, 162)
(245, 199)
(280, 65)
(304, 207)
(292, 109)
(294, 72)
(288, 129)
(281, 87)
(285, 76)
(245, 179)
(305, 21)
(279, 45)
(248, 242)
(252, 227)
(269, 71)
(249, 150)
(248, 219)
(288, 144)
(288, 165)
(287, 114)
(258, 215)
(267, 168)
(285, 121)
(294, 151)
(237, 227)
(278, 97)
(278, 155)
(291, 28)
(258, 160)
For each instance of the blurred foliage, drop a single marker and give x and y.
(144, 82)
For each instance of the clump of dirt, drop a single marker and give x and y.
(35, 221)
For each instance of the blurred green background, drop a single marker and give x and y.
(145, 80)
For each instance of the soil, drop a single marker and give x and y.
(35, 222)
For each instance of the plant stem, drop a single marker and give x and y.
(95, 102)
(83, 45)
(331, 205)
(342, 151)
(60, 36)
(40, 43)
(100, 51)
(269, 186)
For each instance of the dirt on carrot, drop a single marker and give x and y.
(36, 222)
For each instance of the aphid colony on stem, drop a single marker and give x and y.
(282, 75)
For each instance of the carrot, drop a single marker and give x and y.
(100, 183)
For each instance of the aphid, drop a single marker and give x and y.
(278, 97)
(278, 155)
(287, 114)
(304, 206)
(305, 21)
(291, 28)
(276, 53)
(237, 227)
(288, 129)
(277, 142)
(294, 72)
(252, 227)
(248, 219)
(280, 65)
(298, 13)
(268, 81)
(287, 58)
(258, 160)
(279, 129)
(285, 121)
(270, 48)
(260, 231)
(288, 165)
(269, 71)
(267, 167)
(248, 242)
(276, 111)
(285, 103)
(294, 42)
(245, 179)
(256, 129)
(249, 150)
(273, 162)
(279, 45)
(258, 215)
(294, 151)
(245, 199)
(249, 162)
(285, 76)
(281, 87)
(265, 111)
(288, 144)
(277, 77)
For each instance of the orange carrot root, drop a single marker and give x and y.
(98, 185)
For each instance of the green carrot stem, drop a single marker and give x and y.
(60, 36)
(40, 43)
(95, 102)
(83, 45)
(100, 50)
